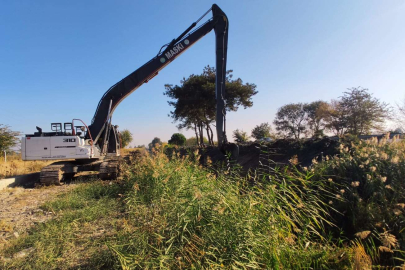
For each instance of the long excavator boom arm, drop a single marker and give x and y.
(118, 92)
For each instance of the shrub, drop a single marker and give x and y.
(369, 191)
(126, 138)
(240, 136)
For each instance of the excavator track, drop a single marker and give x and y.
(57, 172)
(110, 169)
(53, 174)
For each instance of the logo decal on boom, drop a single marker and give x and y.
(175, 50)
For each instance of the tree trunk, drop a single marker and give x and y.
(207, 126)
(196, 134)
(212, 135)
(201, 131)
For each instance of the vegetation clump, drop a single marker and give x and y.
(126, 138)
(187, 216)
(240, 136)
(368, 178)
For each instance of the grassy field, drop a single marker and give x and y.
(174, 214)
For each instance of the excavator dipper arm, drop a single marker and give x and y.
(118, 92)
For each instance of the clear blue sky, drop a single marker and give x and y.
(57, 58)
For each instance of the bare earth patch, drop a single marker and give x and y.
(19, 209)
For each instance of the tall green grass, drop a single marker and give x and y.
(188, 217)
(175, 214)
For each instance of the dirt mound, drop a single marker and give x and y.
(279, 152)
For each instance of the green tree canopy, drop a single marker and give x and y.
(126, 138)
(291, 120)
(240, 136)
(336, 118)
(177, 139)
(194, 101)
(317, 113)
(362, 112)
(262, 131)
(8, 138)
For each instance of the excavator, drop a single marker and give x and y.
(96, 147)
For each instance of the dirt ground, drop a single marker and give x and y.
(19, 209)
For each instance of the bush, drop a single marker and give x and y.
(369, 192)
(126, 138)
(240, 136)
(155, 142)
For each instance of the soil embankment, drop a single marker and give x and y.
(280, 152)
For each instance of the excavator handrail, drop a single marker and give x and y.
(88, 131)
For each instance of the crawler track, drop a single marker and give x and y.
(109, 169)
(53, 174)
(57, 172)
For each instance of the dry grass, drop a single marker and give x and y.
(15, 166)
(126, 151)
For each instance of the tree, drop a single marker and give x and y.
(126, 138)
(262, 131)
(336, 118)
(317, 113)
(362, 112)
(154, 142)
(195, 102)
(8, 138)
(177, 139)
(240, 136)
(290, 120)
